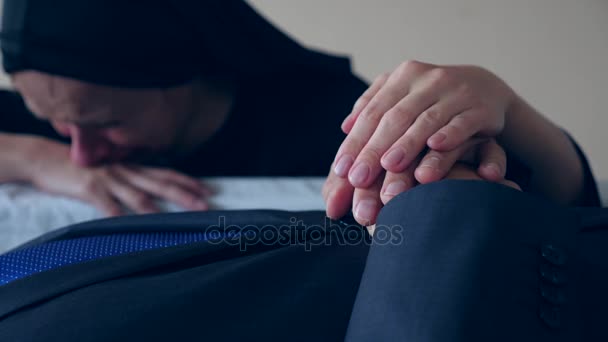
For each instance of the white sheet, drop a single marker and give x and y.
(26, 213)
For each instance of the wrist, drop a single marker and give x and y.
(30, 157)
(13, 156)
(513, 114)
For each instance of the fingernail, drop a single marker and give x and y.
(366, 210)
(343, 126)
(395, 188)
(393, 157)
(432, 163)
(437, 139)
(343, 165)
(359, 174)
(492, 169)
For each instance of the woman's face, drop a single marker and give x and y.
(107, 124)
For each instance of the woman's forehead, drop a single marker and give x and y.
(60, 98)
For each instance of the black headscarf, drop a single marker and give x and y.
(150, 43)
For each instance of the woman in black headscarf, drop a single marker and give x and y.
(211, 88)
(203, 87)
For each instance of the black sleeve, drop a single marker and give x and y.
(521, 174)
(590, 196)
(518, 172)
(314, 135)
(297, 127)
(16, 118)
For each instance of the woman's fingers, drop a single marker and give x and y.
(396, 87)
(401, 130)
(391, 128)
(90, 186)
(465, 172)
(462, 172)
(138, 200)
(492, 161)
(106, 203)
(511, 184)
(167, 175)
(367, 203)
(462, 127)
(406, 98)
(396, 183)
(436, 165)
(408, 145)
(338, 196)
(166, 185)
(362, 102)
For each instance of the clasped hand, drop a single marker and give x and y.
(411, 127)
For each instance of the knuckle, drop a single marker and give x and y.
(409, 67)
(405, 65)
(460, 122)
(372, 113)
(399, 112)
(466, 92)
(440, 77)
(433, 155)
(431, 117)
(393, 122)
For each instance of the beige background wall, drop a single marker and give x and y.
(553, 52)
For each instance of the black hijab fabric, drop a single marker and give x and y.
(150, 43)
(290, 100)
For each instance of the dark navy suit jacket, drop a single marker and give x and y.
(450, 261)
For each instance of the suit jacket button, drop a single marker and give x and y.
(552, 274)
(553, 254)
(551, 316)
(552, 294)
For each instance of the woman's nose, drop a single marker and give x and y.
(88, 147)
